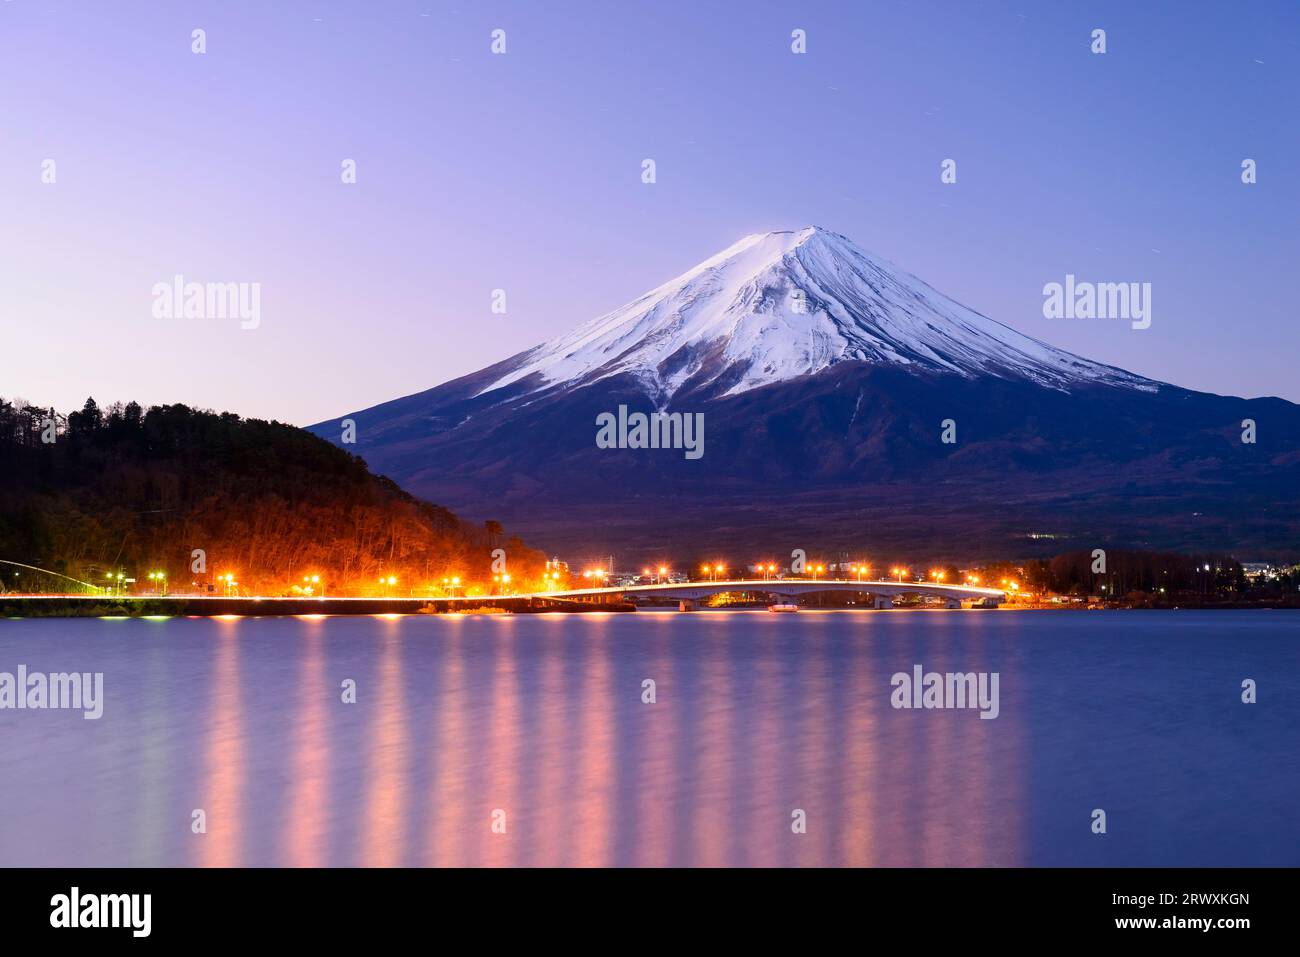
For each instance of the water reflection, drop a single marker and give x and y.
(220, 800)
(542, 717)
(448, 820)
(306, 816)
(386, 750)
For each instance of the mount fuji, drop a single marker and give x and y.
(776, 306)
(826, 378)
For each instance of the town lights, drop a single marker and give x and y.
(713, 571)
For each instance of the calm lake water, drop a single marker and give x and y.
(541, 717)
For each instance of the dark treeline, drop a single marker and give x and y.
(1126, 572)
(131, 490)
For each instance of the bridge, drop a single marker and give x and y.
(786, 589)
(604, 598)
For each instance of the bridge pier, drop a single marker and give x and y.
(686, 604)
(953, 603)
(884, 601)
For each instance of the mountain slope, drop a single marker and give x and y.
(823, 375)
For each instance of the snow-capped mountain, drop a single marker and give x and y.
(778, 305)
(823, 378)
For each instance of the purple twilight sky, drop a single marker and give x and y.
(522, 171)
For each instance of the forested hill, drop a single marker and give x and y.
(128, 491)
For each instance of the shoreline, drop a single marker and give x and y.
(206, 607)
(192, 606)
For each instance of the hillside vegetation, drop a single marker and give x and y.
(132, 491)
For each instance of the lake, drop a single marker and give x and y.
(762, 725)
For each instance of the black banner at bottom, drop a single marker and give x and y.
(333, 907)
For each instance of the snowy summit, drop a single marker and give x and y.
(778, 305)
